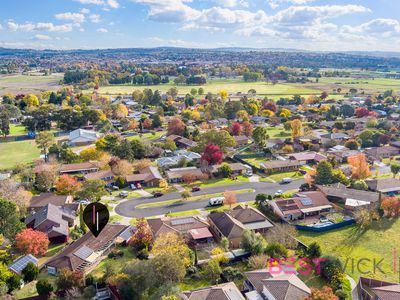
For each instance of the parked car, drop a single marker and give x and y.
(115, 188)
(278, 193)
(83, 201)
(195, 189)
(248, 173)
(124, 194)
(133, 187)
(216, 201)
(286, 181)
(157, 194)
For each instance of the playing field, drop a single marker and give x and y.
(12, 153)
(215, 86)
(22, 84)
(379, 242)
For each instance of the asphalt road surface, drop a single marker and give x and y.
(128, 208)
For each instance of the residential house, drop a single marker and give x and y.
(192, 228)
(237, 168)
(80, 137)
(338, 137)
(80, 168)
(52, 220)
(178, 174)
(379, 153)
(231, 224)
(219, 122)
(386, 186)
(307, 157)
(224, 291)
(373, 289)
(105, 175)
(352, 198)
(19, 265)
(37, 202)
(301, 205)
(241, 140)
(275, 166)
(341, 153)
(182, 142)
(149, 176)
(177, 157)
(265, 284)
(85, 253)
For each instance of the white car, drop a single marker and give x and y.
(83, 201)
(278, 193)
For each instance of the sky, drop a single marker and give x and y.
(327, 25)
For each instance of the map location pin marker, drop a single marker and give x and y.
(96, 216)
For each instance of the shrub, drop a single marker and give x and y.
(231, 274)
(276, 250)
(30, 272)
(44, 287)
(89, 292)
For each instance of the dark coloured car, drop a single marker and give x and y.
(157, 194)
(195, 189)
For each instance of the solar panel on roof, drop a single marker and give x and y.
(183, 221)
(83, 252)
(21, 263)
(306, 201)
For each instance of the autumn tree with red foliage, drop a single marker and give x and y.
(67, 185)
(176, 126)
(247, 128)
(30, 241)
(271, 106)
(188, 178)
(362, 112)
(236, 129)
(391, 206)
(143, 237)
(147, 123)
(212, 154)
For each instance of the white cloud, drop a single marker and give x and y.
(12, 26)
(42, 37)
(276, 3)
(113, 3)
(85, 11)
(102, 30)
(375, 27)
(95, 2)
(94, 18)
(73, 17)
(231, 3)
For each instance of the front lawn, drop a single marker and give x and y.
(256, 161)
(217, 182)
(378, 242)
(12, 153)
(17, 129)
(279, 176)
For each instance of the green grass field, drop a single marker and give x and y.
(17, 129)
(21, 84)
(378, 242)
(12, 153)
(215, 86)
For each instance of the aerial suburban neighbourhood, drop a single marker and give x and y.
(200, 150)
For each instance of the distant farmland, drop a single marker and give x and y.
(23, 84)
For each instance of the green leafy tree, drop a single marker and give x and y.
(30, 272)
(253, 242)
(324, 173)
(44, 140)
(225, 170)
(395, 169)
(276, 250)
(10, 222)
(93, 190)
(260, 136)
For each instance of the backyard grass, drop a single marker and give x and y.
(378, 242)
(278, 132)
(193, 198)
(256, 161)
(17, 129)
(148, 136)
(12, 153)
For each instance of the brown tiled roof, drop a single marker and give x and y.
(99, 175)
(308, 156)
(234, 167)
(287, 287)
(79, 167)
(274, 164)
(390, 292)
(180, 172)
(179, 224)
(247, 214)
(228, 226)
(341, 191)
(256, 277)
(49, 198)
(384, 185)
(225, 291)
(67, 258)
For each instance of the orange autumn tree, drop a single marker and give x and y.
(296, 126)
(67, 185)
(391, 206)
(30, 241)
(326, 293)
(359, 166)
(230, 198)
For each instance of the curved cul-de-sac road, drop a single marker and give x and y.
(128, 207)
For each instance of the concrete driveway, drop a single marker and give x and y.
(128, 207)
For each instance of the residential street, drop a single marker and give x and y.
(127, 208)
